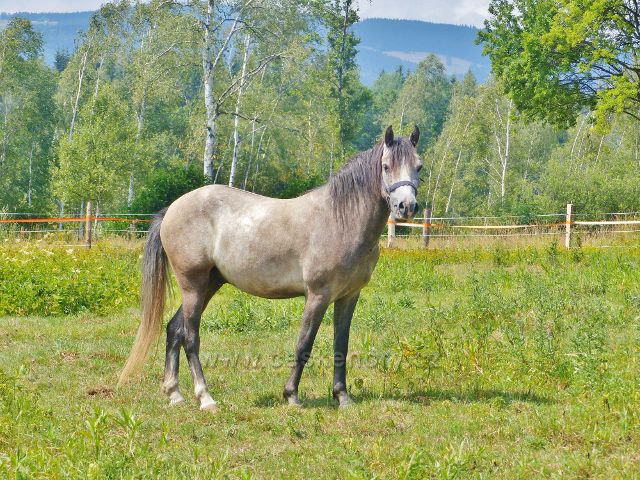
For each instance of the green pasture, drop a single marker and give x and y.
(465, 363)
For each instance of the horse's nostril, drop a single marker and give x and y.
(401, 205)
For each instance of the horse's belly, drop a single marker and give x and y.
(265, 285)
(261, 270)
(265, 282)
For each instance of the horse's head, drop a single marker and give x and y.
(401, 165)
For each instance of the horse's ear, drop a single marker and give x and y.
(415, 136)
(388, 136)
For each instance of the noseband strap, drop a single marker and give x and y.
(401, 183)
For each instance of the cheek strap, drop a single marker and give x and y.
(401, 183)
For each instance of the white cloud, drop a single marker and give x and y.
(467, 12)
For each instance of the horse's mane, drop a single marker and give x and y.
(359, 180)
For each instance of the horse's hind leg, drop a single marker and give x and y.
(175, 338)
(194, 302)
(197, 290)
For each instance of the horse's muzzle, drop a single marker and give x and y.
(406, 209)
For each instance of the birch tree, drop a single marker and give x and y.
(236, 118)
(221, 22)
(27, 117)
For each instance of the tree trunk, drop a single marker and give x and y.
(130, 191)
(331, 161)
(209, 102)
(95, 221)
(507, 144)
(503, 156)
(251, 154)
(453, 181)
(236, 120)
(81, 225)
(140, 119)
(29, 193)
(97, 86)
(255, 176)
(74, 111)
(599, 149)
(575, 140)
(5, 130)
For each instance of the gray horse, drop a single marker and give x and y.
(323, 245)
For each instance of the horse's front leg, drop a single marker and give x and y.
(314, 309)
(342, 313)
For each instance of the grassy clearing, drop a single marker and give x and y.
(480, 363)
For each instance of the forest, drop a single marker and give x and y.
(162, 97)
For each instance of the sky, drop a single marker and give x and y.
(467, 12)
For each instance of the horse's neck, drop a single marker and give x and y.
(366, 224)
(374, 218)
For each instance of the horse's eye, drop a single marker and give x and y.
(386, 167)
(418, 168)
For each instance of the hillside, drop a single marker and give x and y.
(58, 29)
(385, 44)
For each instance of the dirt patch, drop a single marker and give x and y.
(69, 356)
(101, 391)
(111, 357)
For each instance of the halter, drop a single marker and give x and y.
(401, 183)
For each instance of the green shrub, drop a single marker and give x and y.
(37, 278)
(164, 186)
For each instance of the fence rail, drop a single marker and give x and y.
(427, 224)
(432, 227)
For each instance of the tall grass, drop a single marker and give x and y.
(42, 278)
(485, 362)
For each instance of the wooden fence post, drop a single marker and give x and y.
(87, 225)
(426, 227)
(391, 232)
(96, 214)
(133, 228)
(61, 214)
(567, 237)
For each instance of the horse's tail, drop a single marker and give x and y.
(155, 282)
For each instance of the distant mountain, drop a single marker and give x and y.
(59, 30)
(385, 44)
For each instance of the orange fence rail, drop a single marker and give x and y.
(72, 219)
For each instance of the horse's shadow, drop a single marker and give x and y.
(421, 397)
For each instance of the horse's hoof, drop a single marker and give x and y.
(343, 399)
(176, 399)
(294, 402)
(209, 407)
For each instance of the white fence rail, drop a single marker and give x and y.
(448, 225)
(88, 226)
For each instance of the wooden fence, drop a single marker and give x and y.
(447, 226)
(566, 224)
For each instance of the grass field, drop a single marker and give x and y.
(465, 363)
